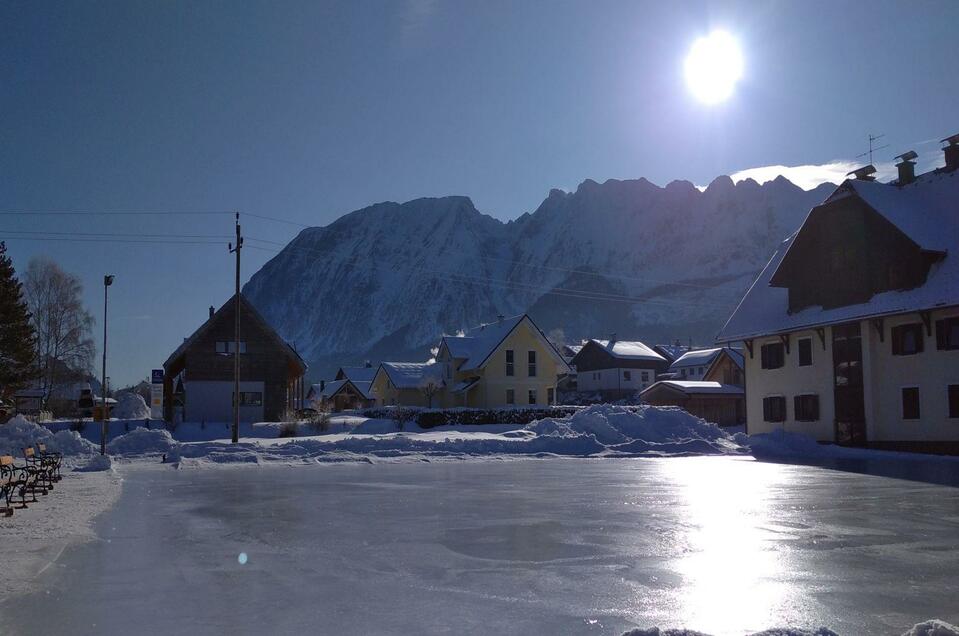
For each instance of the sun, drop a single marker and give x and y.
(713, 67)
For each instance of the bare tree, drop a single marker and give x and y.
(63, 326)
(429, 387)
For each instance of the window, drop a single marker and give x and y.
(907, 339)
(627, 375)
(531, 364)
(229, 346)
(251, 398)
(509, 362)
(772, 355)
(947, 333)
(805, 351)
(910, 403)
(774, 409)
(699, 371)
(550, 395)
(953, 392)
(532, 396)
(645, 376)
(510, 396)
(806, 408)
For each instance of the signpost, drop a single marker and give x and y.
(156, 394)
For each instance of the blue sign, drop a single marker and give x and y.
(157, 376)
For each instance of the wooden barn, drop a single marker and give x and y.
(271, 371)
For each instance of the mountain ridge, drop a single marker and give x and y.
(385, 281)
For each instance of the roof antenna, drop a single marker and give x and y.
(872, 149)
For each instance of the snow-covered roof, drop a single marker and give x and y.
(673, 351)
(689, 387)
(358, 374)
(926, 210)
(696, 357)
(409, 375)
(477, 344)
(628, 349)
(333, 387)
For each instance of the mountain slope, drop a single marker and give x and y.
(625, 256)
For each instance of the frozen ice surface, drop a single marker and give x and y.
(721, 545)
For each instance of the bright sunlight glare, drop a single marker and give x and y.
(713, 67)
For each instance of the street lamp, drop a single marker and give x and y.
(107, 281)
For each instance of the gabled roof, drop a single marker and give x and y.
(696, 357)
(248, 312)
(696, 387)
(408, 375)
(476, 345)
(628, 349)
(925, 211)
(330, 389)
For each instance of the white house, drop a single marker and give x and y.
(852, 329)
(616, 368)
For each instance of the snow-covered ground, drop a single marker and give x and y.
(721, 544)
(685, 528)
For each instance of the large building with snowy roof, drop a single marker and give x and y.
(852, 329)
(509, 362)
(616, 369)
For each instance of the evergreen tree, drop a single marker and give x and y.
(16, 333)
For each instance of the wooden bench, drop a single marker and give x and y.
(51, 458)
(43, 470)
(14, 481)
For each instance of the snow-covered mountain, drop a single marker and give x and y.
(647, 262)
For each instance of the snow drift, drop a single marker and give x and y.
(927, 628)
(20, 433)
(131, 406)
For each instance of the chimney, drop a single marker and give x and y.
(499, 318)
(907, 167)
(322, 385)
(952, 152)
(612, 338)
(369, 365)
(864, 174)
(211, 311)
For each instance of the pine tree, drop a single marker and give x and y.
(16, 333)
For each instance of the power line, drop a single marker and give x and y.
(86, 239)
(52, 212)
(116, 234)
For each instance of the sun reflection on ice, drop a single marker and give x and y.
(731, 568)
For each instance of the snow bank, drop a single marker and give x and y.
(131, 406)
(142, 441)
(933, 627)
(643, 431)
(19, 433)
(927, 628)
(97, 464)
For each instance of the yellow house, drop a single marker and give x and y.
(509, 362)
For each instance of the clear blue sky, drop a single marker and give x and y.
(307, 110)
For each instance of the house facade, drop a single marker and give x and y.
(693, 364)
(509, 362)
(852, 329)
(616, 369)
(201, 370)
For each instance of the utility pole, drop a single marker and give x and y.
(107, 281)
(236, 334)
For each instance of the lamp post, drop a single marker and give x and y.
(107, 281)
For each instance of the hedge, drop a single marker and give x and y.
(430, 418)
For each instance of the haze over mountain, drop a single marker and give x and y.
(646, 262)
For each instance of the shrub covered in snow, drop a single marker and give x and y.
(131, 406)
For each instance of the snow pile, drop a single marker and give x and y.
(97, 464)
(781, 443)
(928, 628)
(644, 430)
(131, 406)
(20, 433)
(142, 441)
(933, 627)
